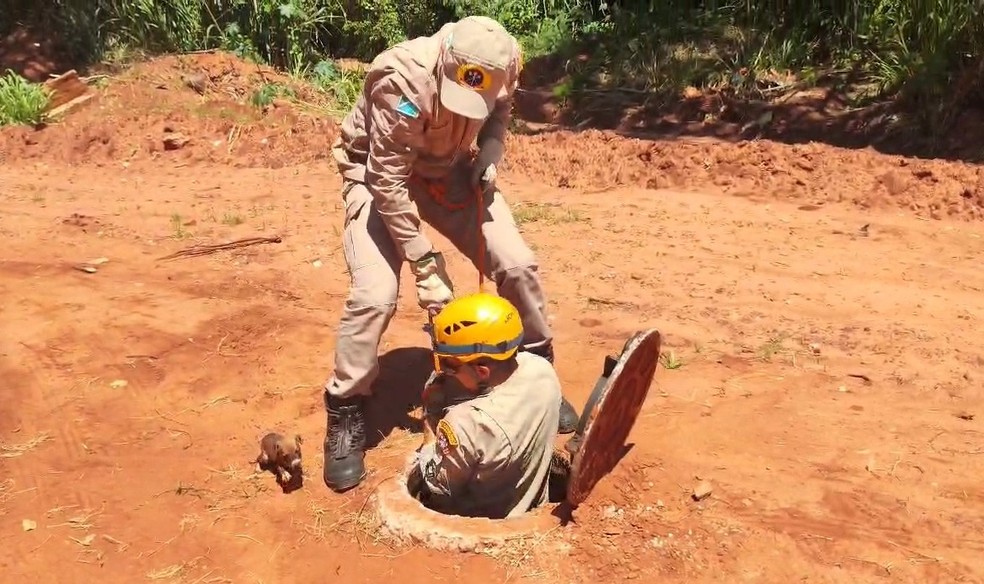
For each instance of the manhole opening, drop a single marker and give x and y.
(404, 517)
(556, 484)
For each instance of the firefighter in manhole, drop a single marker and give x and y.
(490, 414)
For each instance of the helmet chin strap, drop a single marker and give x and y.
(431, 312)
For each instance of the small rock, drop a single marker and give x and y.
(118, 384)
(805, 165)
(197, 81)
(316, 263)
(702, 491)
(87, 540)
(28, 524)
(175, 140)
(965, 416)
(611, 512)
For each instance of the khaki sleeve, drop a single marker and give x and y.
(495, 127)
(463, 443)
(396, 132)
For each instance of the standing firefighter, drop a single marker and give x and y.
(405, 154)
(491, 414)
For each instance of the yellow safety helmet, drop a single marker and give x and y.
(475, 326)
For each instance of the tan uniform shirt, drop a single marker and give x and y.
(398, 129)
(492, 454)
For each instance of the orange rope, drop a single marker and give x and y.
(438, 192)
(480, 204)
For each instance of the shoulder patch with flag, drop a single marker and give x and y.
(407, 108)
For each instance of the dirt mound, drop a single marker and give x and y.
(197, 109)
(189, 108)
(813, 173)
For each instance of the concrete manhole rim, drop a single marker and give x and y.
(406, 519)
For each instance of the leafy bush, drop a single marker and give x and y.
(21, 102)
(930, 53)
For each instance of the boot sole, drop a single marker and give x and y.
(342, 487)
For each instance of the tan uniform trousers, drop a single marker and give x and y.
(374, 264)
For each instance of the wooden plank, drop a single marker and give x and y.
(65, 88)
(70, 105)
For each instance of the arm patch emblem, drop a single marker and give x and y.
(447, 440)
(430, 470)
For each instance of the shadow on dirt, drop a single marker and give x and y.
(792, 114)
(396, 393)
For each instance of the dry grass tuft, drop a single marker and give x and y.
(14, 450)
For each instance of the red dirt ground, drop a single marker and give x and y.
(821, 309)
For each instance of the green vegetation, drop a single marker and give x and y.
(926, 53)
(21, 102)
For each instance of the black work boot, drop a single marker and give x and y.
(568, 415)
(345, 443)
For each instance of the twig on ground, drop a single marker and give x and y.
(164, 416)
(915, 553)
(121, 547)
(815, 536)
(362, 508)
(157, 549)
(887, 567)
(202, 249)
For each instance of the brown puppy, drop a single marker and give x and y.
(283, 455)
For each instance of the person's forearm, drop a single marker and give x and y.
(495, 127)
(400, 218)
(394, 138)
